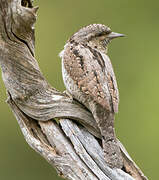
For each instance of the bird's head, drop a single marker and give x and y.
(96, 36)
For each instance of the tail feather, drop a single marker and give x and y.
(112, 153)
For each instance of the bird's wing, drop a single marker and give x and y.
(93, 74)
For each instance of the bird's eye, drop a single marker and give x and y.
(101, 34)
(27, 3)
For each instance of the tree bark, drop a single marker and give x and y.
(48, 118)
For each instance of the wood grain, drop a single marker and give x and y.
(68, 146)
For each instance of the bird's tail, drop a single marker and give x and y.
(112, 153)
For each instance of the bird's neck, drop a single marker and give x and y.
(98, 46)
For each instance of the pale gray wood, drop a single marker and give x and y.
(43, 112)
(56, 148)
(82, 140)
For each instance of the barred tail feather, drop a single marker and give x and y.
(112, 153)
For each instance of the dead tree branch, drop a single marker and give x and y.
(69, 147)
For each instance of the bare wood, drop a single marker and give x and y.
(69, 147)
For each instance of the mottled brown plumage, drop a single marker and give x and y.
(88, 76)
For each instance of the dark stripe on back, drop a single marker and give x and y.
(98, 57)
(95, 74)
(75, 52)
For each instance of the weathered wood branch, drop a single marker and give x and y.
(73, 149)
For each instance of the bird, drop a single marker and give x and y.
(89, 78)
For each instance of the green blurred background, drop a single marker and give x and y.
(136, 63)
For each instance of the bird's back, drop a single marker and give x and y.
(88, 75)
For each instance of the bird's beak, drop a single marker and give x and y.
(113, 35)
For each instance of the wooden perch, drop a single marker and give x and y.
(72, 148)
